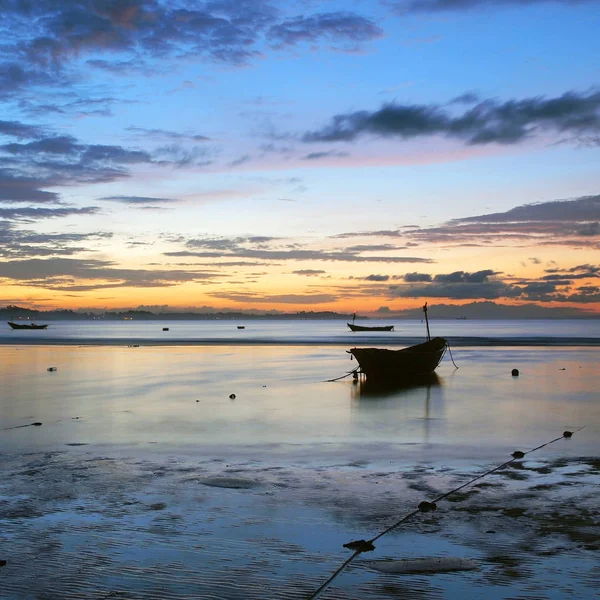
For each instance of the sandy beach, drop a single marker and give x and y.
(147, 481)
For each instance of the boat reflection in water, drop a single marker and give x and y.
(402, 406)
(366, 388)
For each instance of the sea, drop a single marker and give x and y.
(464, 332)
(208, 461)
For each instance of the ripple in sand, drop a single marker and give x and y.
(237, 483)
(444, 564)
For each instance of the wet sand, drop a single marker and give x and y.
(147, 481)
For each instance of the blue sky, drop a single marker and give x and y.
(305, 155)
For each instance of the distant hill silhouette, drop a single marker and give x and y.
(474, 310)
(490, 310)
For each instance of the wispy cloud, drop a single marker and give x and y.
(559, 222)
(166, 134)
(71, 274)
(309, 272)
(32, 213)
(138, 200)
(257, 298)
(23, 243)
(260, 248)
(333, 27)
(424, 6)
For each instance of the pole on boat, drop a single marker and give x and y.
(353, 317)
(426, 321)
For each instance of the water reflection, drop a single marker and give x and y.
(365, 389)
(404, 412)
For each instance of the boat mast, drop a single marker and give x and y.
(426, 321)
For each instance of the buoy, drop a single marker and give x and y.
(517, 454)
(165, 329)
(515, 372)
(51, 369)
(567, 434)
(36, 424)
(232, 396)
(427, 506)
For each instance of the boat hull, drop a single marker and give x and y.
(363, 328)
(400, 365)
(28, 326)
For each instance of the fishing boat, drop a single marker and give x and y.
(363, 328)
(26, 325)
(400, 365)
(354, 327)
(382, 365)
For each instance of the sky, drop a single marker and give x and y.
(299, 155)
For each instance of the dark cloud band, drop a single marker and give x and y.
(489, 121)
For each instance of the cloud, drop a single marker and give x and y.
(459, 285)
(80, 107)
(577, 272)
(489, 121)
(240, 161)
(66, 274)
(463, 277)
(20, 130)
(301, 255)
(62, 160)
(127, 36)
(319, 155)
(420, 6)
(309, 272)
(466, 98)
(333, 27)
(254, 298)
(21, 243)
(22, 188)
(417, 277)
(138, 200)
(376, 278)
(373, 248)
(258, 248)
(585, 208)
(381, 233)
(558, 222)
(488, 284)
(30, 213)
(181, 156)
(170, 135)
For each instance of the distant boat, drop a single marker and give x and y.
(363, 328)
(26, 326)
(354, 327)
(241, 327)
(385, 366)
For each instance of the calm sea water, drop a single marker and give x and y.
(279, 332)
(211, 462)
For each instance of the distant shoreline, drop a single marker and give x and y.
(463, 342)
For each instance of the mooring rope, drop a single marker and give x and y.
(360, 546)
(451, 357)
(356, 370)
(37, 424)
